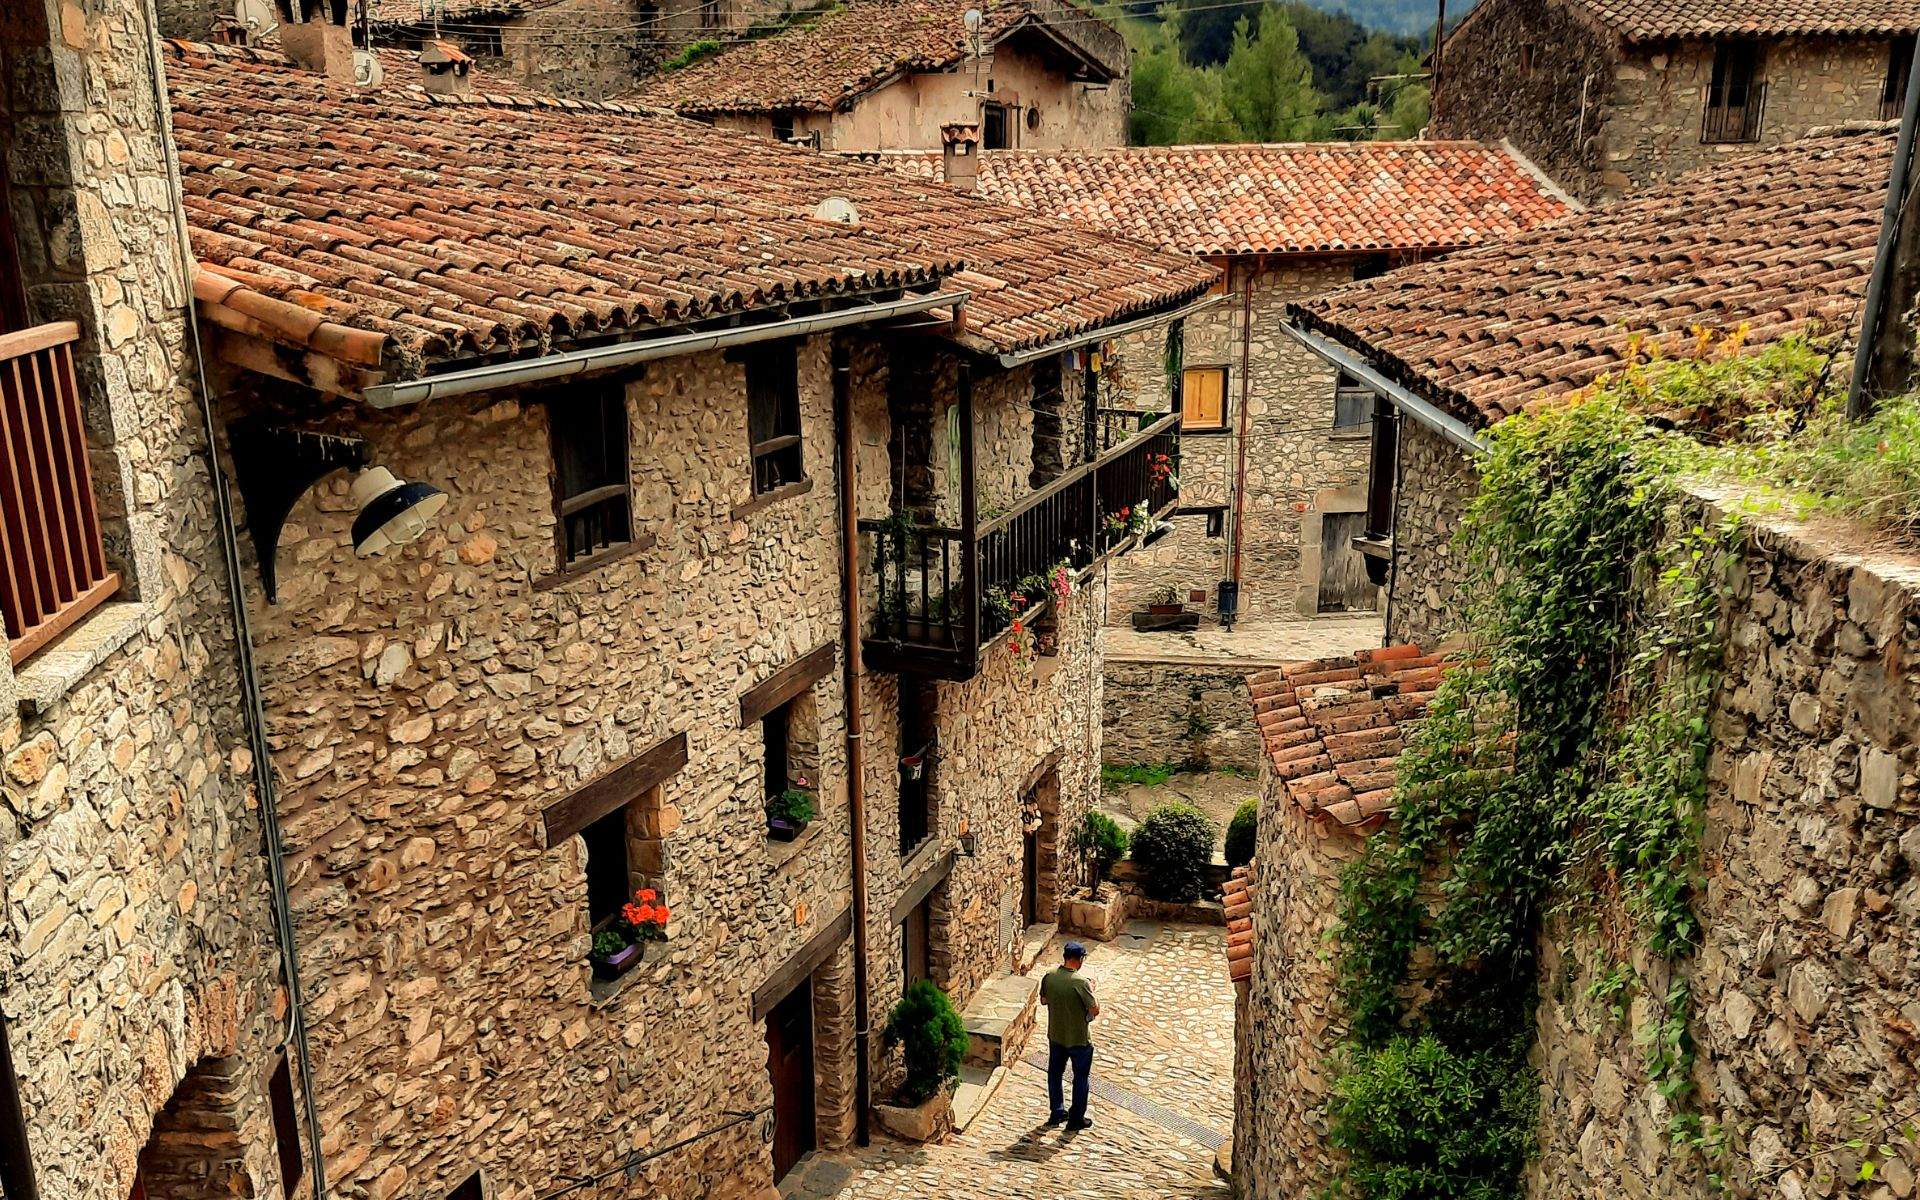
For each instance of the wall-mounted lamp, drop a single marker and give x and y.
(274, 466)
(967, 846)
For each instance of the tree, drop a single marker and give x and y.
(1174, 102)
(1268, 83)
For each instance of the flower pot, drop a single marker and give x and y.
(782, 830)
(614, 965)
(1166, 610)
(928, 1121)
(913, 767)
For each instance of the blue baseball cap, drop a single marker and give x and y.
(1074, 950)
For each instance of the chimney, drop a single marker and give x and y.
(960, 154)
(315, 34)
(449, 69)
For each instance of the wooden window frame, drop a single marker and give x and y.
(1226, 398)
(1893, 91)
(1348, 387)
(1004, 113)
(609, 398)
(1383, 464)
(1725, 123)
(773, 377)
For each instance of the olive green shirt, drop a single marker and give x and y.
(1069, 998)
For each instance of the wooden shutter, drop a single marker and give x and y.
(1204, 398)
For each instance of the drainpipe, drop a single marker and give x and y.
(856, 727)
(1240, 464)
(254, 710)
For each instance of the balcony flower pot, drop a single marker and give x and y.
(613, 966)
(780, 829)
(913, 767)
(1166, 610)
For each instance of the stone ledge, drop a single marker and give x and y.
(48, 676)
(998, 1019)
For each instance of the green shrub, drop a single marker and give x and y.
(695, 51)
(793, 805)
(1113, 778)
(1240, 833)
(933, 1037)
(1174, 846)
(1100, 840)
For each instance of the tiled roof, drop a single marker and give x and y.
(1272, 199)
(426, 12)
(1238, 896)
(825, 64)
(464, 228)
(1651, 20)
(1775, 241)
(1333, 728)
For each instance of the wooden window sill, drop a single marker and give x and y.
(747, 508)
(583, 567)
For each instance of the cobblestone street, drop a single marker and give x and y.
(1162, 1100)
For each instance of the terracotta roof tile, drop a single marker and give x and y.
(1306, 198)
(1650, 20)
(498, 227)
(424, 12)
(1353, 713)
(1239, 897)
(823, 65)
(1775, 240)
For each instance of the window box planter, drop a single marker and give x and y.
(781, 829)
(619, 941)
(614, 965)
(790, 812)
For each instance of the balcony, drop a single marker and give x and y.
(52, 568)
(946, 593)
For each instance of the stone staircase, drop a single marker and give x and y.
(998, 1019)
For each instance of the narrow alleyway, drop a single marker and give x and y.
(1162, 1100)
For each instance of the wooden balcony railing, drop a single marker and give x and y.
(932, 619)
(52, 568)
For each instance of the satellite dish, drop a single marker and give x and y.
(366, 69)
(257, 15)
(837, 210)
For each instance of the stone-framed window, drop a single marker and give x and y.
(1736, 94)
(919, 715)
(592, 486)
(286, 1126)
(622, 819)
(790, 742)
(1352, 404)
(773, 416)
(1203, 400)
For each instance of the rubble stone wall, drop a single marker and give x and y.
(136, 936)
(1436, 481)
(1179, 712)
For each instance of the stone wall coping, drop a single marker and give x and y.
(49, 675)
(1840, 541)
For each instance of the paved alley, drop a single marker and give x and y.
(1162, 1101)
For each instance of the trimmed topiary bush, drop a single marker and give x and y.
(1240, 833)
(933, 1036)
(1174, 846)
(1100, 840)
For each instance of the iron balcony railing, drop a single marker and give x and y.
(930, 618)
(53, 570)
(1727, 122)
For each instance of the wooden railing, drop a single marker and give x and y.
(1116, 425)
(932, 619)
(52, 568)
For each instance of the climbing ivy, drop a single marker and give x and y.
(1562, 765)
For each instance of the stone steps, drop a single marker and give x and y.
(971, 1095)
(999, 1018)
(1033, 944)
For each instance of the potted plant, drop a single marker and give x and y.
(933, 1040)
(1164, 601)
(790, 812)
(1100, 911)
(619, 943)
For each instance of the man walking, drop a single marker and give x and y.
(1070, 1006)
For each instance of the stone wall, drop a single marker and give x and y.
(1805, 1012)
(1179, 712)
(1436, 481)
(136, 939)
(1297, 466)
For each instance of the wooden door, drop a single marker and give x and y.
(916, 943)
(1344, 586)
(1030, 882)
(790, 1063)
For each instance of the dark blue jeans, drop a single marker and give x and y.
(1058, 1057)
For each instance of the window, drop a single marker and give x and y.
(1526, 59)
(993, 126)
(592, 494)
(1033, 120)
(485, 43)
(1352, 404)
(783, 127)
(286, 1127)
(1893, 94)
(773, 416)
(713, 14)
(1203, 398)
(1381, 469)
(1736, 95)
(916, 944)
(778, 746)
(609, 878)
(474, 1188)
(1370, 266)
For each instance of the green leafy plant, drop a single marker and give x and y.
(932, 1037)
(1100, 840)
(1174, 847)
(695, 52)
(1114, 776)
(608, 943)
(1241, 832)
(795, 805)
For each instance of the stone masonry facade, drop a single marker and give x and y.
(1436, 482)
(426, 707)
(1179, 712)
(1299, 469)
(1604, 118)
(142, 991)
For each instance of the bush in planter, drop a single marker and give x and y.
(1100, 840)
(1241, 832)
(934, 1038)
(794, 805)
(1174, 846)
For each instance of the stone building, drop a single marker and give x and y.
(1754, 250)
(1247, 387)
(665, 383)
(1609, 96)
(888, 74)
(147, 1031)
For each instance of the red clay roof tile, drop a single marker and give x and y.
(1650, 20)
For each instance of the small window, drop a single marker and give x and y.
(592, 492)
(773, 416)
(1893, 94)
(1370, 266)
(993, 126)
(1382, 471)
(778, 748)
(286, 1127)
(474, 1188)
(783, 127)
(1203, 398)
(918, 703)
(1736, 95)
(1352, 404)
(713, 14)
(1526, 59)
(1033, 120)
(609, 873)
